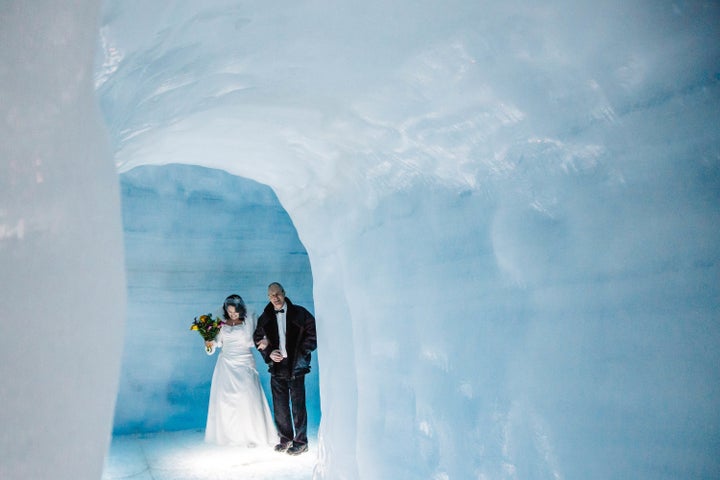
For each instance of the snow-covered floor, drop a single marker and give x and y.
(185, 456)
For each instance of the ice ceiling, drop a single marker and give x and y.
(510, 209)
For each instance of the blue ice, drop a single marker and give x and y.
(510, 212)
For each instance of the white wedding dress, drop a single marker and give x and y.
(238, 413)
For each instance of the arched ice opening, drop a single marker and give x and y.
(510, 210)
(193, 236)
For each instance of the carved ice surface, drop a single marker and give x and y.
(510, 210)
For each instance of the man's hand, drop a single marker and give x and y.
(276, 356)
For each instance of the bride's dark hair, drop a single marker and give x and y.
(237, 302)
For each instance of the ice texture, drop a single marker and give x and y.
(510, 209)
(62, 283)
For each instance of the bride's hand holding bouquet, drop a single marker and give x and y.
(208, 327)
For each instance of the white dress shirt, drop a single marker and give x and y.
(280, 316)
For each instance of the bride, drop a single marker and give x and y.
(238, 413)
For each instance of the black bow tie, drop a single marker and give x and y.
(280, 311)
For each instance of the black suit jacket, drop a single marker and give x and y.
(300, 339)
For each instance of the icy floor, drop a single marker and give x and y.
(185, 456)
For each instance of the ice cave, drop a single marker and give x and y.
(505, 216)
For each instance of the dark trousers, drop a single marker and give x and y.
(285, 392)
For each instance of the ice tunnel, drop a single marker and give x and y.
(510, 210)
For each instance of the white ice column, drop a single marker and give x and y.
(62, 287)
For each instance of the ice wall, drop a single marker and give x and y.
(62, 287)
(193, 236)
(510, 210)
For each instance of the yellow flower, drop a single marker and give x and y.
(193, 327)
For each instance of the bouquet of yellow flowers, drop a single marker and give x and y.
(207, 326)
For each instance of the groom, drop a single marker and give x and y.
(285, 336)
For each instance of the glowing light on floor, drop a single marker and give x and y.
(185, 456)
